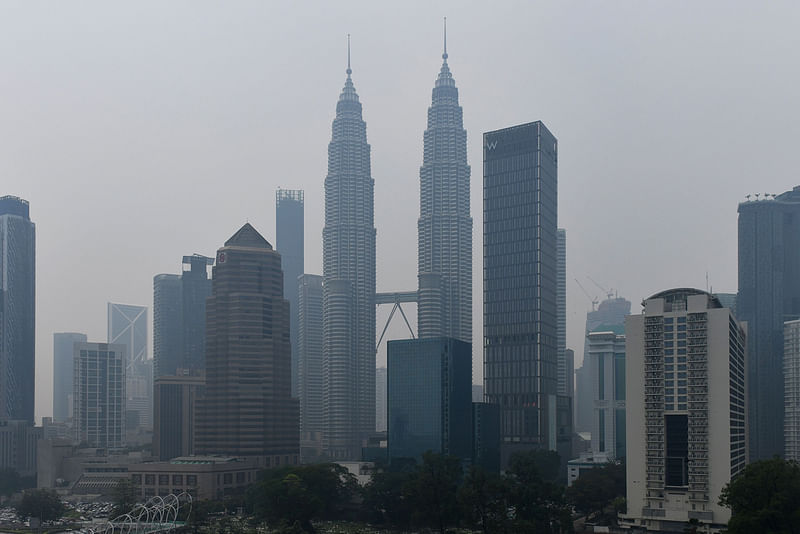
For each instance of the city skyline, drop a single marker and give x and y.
(612, 86)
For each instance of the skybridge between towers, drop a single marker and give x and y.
(396, 298)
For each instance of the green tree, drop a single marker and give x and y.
(299, 494)
(386, 497)
(596, 489)
(124, 497)
(765, 498)
(484, 501)
(41, 503)
(538, 503)
(434, 488)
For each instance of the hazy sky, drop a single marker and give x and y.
(143, 131)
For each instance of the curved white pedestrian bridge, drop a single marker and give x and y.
(158, 514)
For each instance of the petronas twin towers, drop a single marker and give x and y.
(445, 256)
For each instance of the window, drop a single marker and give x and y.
(136, 479)
(149, 480)
(191, 480)
(227, 478)
(601, 386)
(163, 480)
(240, 477)
(677, 450)
(601, 427)
(177, 480)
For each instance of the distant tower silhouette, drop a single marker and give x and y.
(445, 225)
(348, 240)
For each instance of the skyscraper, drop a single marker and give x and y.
(195, 289)
(791, 390)
(289, 242)
(63, 357)
(608, 317)
(167, 324)
(564, 374)
(99, 397)
(686, 429)
(127, 325)
(348, 259)
(17, 309)
(175, 399)
(445, 225)
(179, 317)
(429, 397)
(520, 323)
(248, 409)
(606, 364)
(309, 357)
(769, 295)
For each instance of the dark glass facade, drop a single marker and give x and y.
(520, 280)
(175, 399)
(179, 317)
(167, 330)
(486, 436)
(17, 309)
(429, 397)
(769, 294)
(289, 242)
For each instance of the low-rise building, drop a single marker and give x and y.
(202, 477)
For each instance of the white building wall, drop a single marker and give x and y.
(791, 389)
(669, 507)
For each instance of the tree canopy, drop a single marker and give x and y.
(293, 496)
(42, 503)
(765, 498)
(596, 489)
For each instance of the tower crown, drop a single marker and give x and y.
(247, 236)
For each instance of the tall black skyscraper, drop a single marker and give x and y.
(445, 225)
(348, 269)
(769, 294)
(17, 309)
(289, 243)
(519, 283)
(179, 317)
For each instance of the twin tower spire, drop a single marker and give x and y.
(444, 295)
(444, 53)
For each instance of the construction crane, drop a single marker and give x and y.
(591, 298)
(609, 292)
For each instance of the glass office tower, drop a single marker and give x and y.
(769, 295)
(17, 309)
(429, 397)
(520, 283)
(289, 242)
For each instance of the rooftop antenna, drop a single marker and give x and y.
(349, 70)
(748, 197)
(758, 195)
(444, 55)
